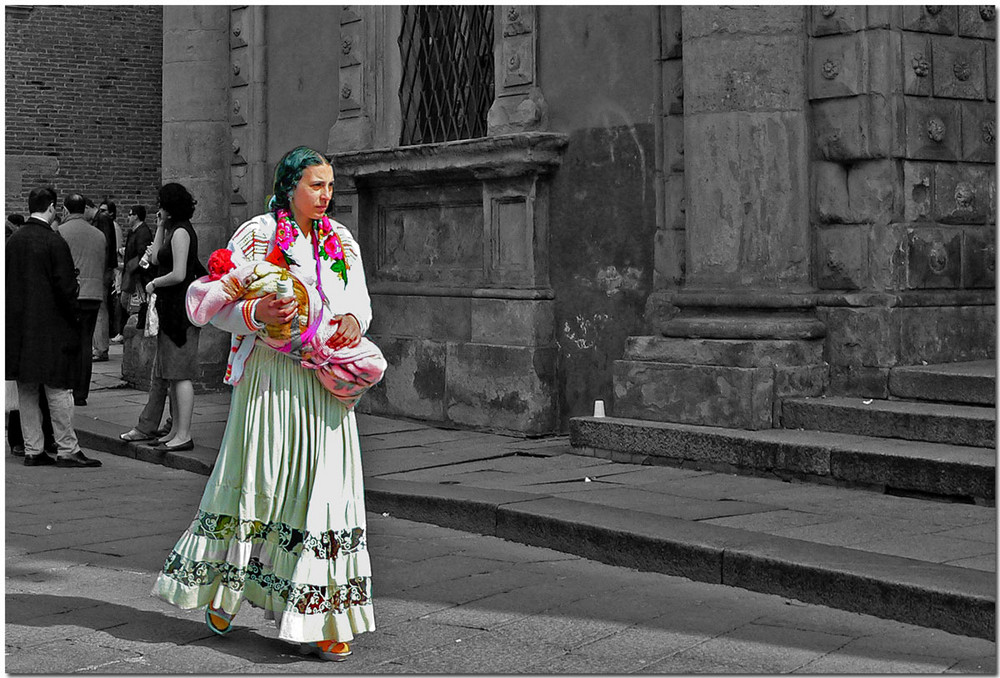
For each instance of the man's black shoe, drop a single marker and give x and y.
(17, 450)
(80, 402)
(40, 459)
(76, 460)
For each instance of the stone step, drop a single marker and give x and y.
(904, 419)
(902, 466)
(967, 382)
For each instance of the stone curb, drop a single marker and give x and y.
(953, 599)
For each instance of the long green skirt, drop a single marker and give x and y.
(282, 520)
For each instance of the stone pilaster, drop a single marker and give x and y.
(742, 332)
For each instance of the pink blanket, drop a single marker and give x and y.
(347, 372)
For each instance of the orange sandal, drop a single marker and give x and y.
(329, 650)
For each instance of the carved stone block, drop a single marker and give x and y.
(710, 395)
(930, 18)
(351, 44)
(844, 129)
(238, 28)
(426, 317)
(508, 387)
(917, 55)
(239, 103)
(837, 68)
(414, 383)
(979, 258)
(872, 189)
(861, 336)
(513, 322)
(934, 258)
(963, 193)
(675, 199)
(979, 125)
(429, 235)
(238, 184)
(830, 191)
(517, 20)
(518, 65)
(918, 190)
(977, 21)
(350, 89)
(944, 334)
(842, 257)
(933, 129)
(830, 19)
(670, 32)
(959, 68)
(239, 68)
(350, 14)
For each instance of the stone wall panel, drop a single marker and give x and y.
(936, 334)
(512, 322)
(917, 64)
(838, 67)
(831, 201)
(979, 257)
(977, 21)
(842, 257)
(963, 193)
(872, 187)
(930, 18)
(979, 125)
(918, 190)
(958, 68)
(425, 317)
(832, 19)
(934, 258)
(505, 387)
(861, 336)
(414, 383)
(933, 129)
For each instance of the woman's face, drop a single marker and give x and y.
(313, 193)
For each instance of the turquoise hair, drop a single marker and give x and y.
(287, 173)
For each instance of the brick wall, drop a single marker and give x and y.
(83, 102)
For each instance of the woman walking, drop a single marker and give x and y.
(282, 520)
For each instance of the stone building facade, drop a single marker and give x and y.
(83, 102)
(688, 212)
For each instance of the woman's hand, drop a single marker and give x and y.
(347, 335)
(149, 288)
(273, 311)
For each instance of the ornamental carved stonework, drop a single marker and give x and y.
(933, 9)
(965, 196)
(345, 47)
(831, 69)
(937, 258)
(989, 131)
(988, 12)
(345, 92)
(991, 254)
(921, 66)
(936, 129)
(828, 10)
(962, 69)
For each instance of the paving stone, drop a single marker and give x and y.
(986, 563)
(930, 547)
(663, 504)
(770, 522)
(855, 531)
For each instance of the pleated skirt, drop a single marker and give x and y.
(281, 523)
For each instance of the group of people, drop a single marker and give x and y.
(281, 523)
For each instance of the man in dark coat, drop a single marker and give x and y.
(134, 276)
(43, 331)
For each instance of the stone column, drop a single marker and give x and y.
(196, 153)
(740, 333)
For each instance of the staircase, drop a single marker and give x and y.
(935, 438)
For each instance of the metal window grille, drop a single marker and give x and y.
(447, 85)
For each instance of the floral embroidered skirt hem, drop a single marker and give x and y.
(282, 520)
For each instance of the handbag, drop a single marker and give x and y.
(152, 319)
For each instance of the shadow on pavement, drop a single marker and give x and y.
(44, 611)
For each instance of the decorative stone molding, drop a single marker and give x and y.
(936, 129)
(518, 105)
(921, 66)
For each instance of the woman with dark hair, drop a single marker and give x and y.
(282, 520)
(175, 252)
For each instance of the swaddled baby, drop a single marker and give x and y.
(345, 372)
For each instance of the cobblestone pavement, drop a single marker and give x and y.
(83, 546)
